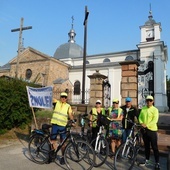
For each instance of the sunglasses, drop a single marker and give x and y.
(98, 103)
(64, 97)
(149, 100)
(115, 103)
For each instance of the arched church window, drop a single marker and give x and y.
(106, 60)
(129, 58)
(28, 74)
(77, 88)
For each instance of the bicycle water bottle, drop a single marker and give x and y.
(82, 122)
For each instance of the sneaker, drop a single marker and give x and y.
(111, 155)
(52, 154)
(144, 163)
(157, 166)
(62, 161)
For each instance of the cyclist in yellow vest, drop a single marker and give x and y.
(94, 116)
(62, 111)
(115, 129)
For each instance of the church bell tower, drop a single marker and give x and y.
(152, 70)
(151, 31)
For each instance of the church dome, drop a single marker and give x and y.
(150, 21)
(70, 49)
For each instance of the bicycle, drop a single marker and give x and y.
(101, 144)
(127, 152)
(79, 151)
(82, 135)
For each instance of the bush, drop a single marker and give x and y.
(14, 105)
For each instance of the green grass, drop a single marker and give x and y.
(44, 114)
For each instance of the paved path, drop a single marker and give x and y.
(14, 154)
(15, 157)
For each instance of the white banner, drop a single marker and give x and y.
(40, 97)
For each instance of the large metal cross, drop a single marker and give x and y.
(20, 42)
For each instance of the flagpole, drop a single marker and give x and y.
(36, 126)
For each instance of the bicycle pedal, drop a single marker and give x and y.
(52, 154)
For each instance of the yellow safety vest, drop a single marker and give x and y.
(94, 116)
(60, 115)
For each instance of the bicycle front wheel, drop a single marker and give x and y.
(38, 150)
(124, 158)
(80, 152)
(101, 148)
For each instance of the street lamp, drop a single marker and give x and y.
(84, 54)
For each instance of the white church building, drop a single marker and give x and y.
(151, 54)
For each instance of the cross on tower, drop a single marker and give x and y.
(20, 42)
(72, 21)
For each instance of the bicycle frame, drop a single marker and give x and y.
(83, 122)
(132, 140)
(99, 134)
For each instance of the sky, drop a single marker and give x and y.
(113, 25)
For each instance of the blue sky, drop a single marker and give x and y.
(113, 25)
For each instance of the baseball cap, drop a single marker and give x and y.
(128, 99)
(149, 97)
(98, 101)
(63, 94)
(115, 100)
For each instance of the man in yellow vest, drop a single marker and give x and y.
(62, 111)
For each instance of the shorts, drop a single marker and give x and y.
(56, 129)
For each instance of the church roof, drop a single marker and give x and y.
(5, 67)
(59, 81)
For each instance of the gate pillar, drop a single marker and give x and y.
(96, 87)
(129, 81)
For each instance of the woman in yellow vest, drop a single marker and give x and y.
(93, 116)
(62, 111)
(115, 132)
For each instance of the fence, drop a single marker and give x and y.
(73, 98)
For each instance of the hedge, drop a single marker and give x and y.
(14, 106)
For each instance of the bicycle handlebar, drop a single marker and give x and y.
(135, 124)
(84, 115)
(71, 123)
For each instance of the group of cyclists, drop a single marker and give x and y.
(119, 128)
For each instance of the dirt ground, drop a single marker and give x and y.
(14, 135)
